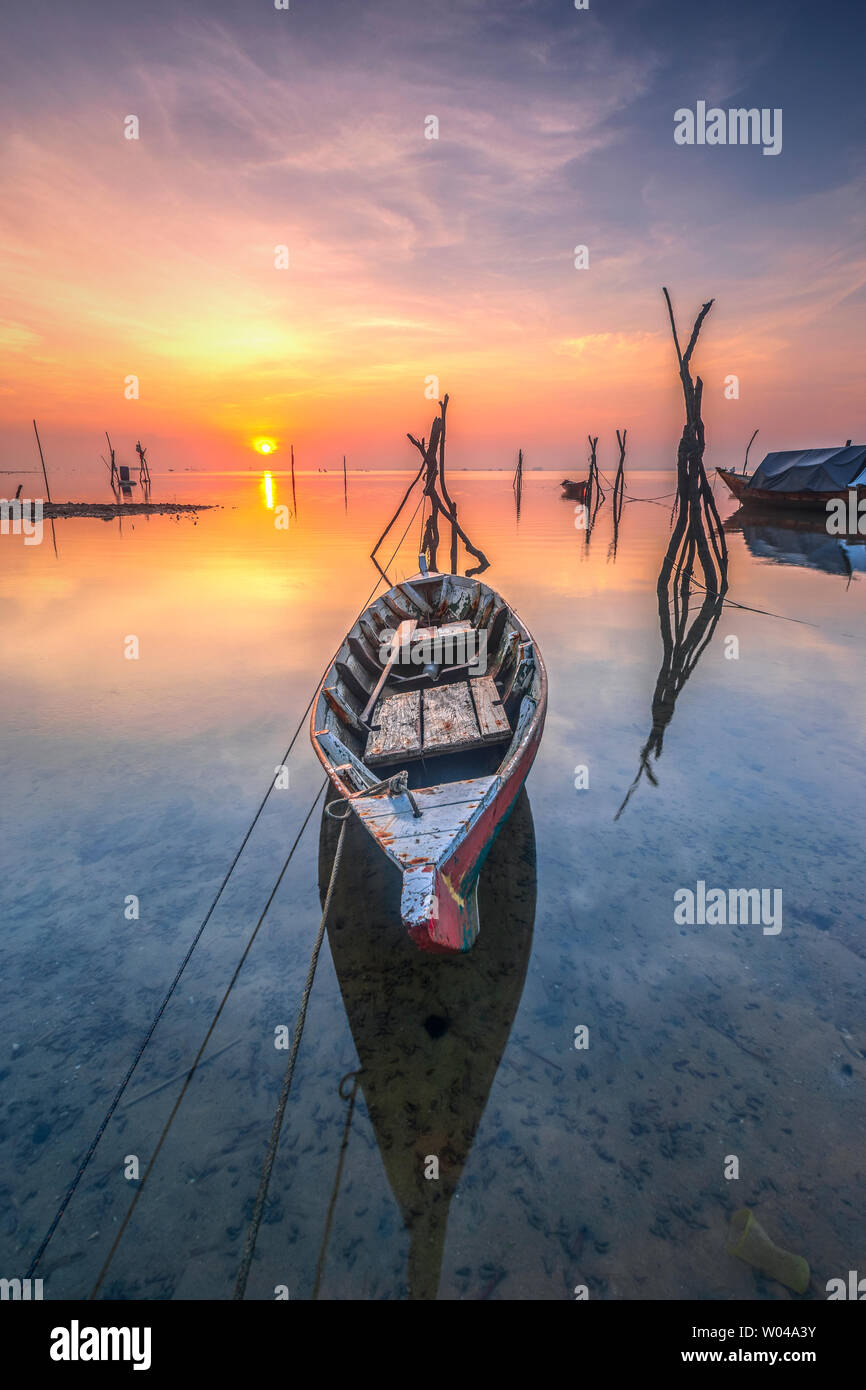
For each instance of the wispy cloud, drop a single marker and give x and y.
(408, 256)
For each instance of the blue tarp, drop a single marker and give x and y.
(812, 470)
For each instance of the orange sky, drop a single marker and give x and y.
(409, 258)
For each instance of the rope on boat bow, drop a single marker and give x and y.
(397, 785)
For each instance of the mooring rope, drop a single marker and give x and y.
(661, 498)
(125, 1222)
(765, 612)
(271, 1152)
(70, 1191)
(344, 1144)
(115, 1101)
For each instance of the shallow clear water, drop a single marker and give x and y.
(603, 1166)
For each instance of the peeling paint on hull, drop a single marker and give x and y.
(454, 925)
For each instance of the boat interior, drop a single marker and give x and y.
(438, 677)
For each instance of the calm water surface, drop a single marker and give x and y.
(603, 1166)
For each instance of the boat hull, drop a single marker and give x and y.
(439, 835)
(574, 492)
(439, 904)
(738, 484)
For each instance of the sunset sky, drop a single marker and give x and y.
(411, 257)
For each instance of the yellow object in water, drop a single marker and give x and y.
(748, 1240)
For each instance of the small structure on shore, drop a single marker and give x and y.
(121, 486)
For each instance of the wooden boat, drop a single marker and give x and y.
(738, 484)
(431, 749)
(429, 1032)
(576, 492)
(802, 479)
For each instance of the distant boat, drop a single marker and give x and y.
(801, 478)
(431, 749)
(576, 492)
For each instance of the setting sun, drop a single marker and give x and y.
(265, 446)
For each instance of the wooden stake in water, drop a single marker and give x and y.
(517, 481)
(294, 498)
(42, 457)
(618, 494)
(619, 481)
(748, 447)
(143, 470)
(47, 488)
(345, 485)
(115, 476)
(449, 502)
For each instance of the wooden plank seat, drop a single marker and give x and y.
(450, 725)
(396, 731)
(438, 719)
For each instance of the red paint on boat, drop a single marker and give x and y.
(440, 854)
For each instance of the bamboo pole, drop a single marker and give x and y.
(431, 460)
(618, 494)
(47, 488)
(451, 504)
(594, 495)
(619, 481)
(694, 494)
(748, 447)
(42, 457)
(143, 470)
(432, 529)
(115, 476)
(517, 481)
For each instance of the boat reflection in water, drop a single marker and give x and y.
(429, 1030)
(799, 540)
